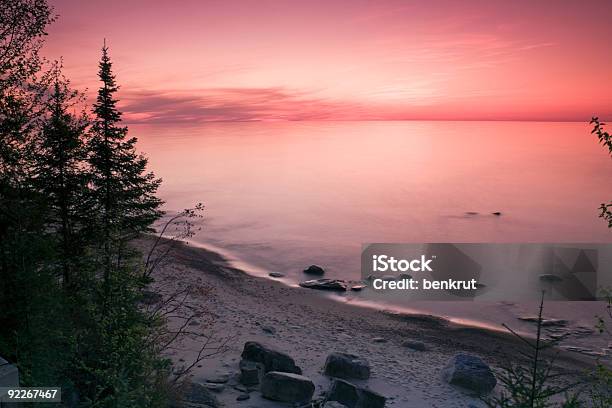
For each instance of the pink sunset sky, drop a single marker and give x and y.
(207, 60)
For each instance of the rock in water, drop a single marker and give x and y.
(354, 397)
(272, 360)
(276, 275)
(344, 365)
(325, 284)
(314, 270)
(469, 372)
(287, 387)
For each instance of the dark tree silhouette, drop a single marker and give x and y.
(59, 171)
(122, 190)
(74, 194)
(606, 140)
(22, 29)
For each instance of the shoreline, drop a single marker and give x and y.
(433, 308)
(308, 326)
(250, 270)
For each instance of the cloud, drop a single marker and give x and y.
(228, 104)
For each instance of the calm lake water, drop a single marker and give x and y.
(284, 195)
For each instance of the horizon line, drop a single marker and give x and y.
(184, 122)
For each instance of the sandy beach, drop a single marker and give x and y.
(240, 308)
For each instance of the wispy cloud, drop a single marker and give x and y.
(228, 104)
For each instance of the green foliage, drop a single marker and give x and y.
(121, 191)
(22, 29)
(529, 379)
(121, 188)
(26, 285)
(58, 172)
(73, 194)
(599, 392)
(121, 366)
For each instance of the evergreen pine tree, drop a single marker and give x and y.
(60, 172)
(31, 304)
(121, 365)
(122, 191)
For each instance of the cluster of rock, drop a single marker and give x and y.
(342, 367)
(281, 379)
(340, 285)
(337, 285)
(559, 331)
(276, 375)
(278, 378)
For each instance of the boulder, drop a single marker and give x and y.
(272, 360)
(249, 372)
(287, 387)
(325, 284)
(415, 345)
(9, 374)
(344, 365)
(354, 397)
(358, 288)
(314, 270)
(243, 397)
(276, 275)
(334, 404)
(469, 372)
(195, 393)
